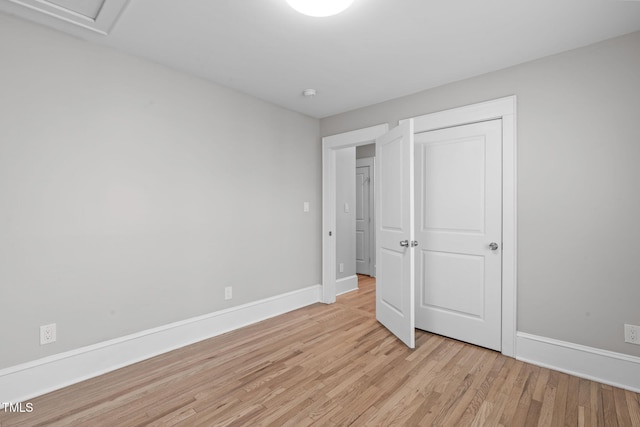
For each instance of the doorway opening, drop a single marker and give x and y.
(354, 233)
(333, 147)
(365, 218)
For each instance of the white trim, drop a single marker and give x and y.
(505, 109)
(329, 146)
(106, 18)
(28, 380)
(346, 284)
(616, 369)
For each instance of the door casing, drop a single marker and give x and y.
(330, 144)
(502, 108)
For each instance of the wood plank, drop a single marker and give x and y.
(571, 409)
(608, 402)
(560, 403)
(524, 403)
(633, 403)
(622, 409)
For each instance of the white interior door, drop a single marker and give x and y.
(395, 306)
(459, 226)
(363, 220)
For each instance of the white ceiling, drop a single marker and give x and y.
(376, 50)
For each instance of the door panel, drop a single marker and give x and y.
(395, 306)
(392, 272)
(460, 277)
(458, 207)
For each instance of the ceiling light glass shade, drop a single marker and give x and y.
(320, 8)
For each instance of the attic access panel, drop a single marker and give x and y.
(95, 15)
(88, 8)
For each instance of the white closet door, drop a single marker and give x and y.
(459, 226)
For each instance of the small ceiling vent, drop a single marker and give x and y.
(95, 15)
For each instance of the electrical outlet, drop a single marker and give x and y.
(632, 334)
(228, 292)
(341, 267)
(47, 334)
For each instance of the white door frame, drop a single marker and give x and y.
(369, 161)
(505, 109)
(330, 144)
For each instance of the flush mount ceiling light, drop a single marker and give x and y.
(320, 8)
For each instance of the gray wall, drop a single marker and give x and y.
(578, 184)
(364, 151)
(132, 194)
(346, 221)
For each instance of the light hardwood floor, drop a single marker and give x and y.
(332, 365)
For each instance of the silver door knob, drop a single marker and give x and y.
(414, 243)
(404, 243)
(493, 246)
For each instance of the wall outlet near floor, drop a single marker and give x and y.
(632, 334)
(47, 334)
(341, 267)
(228, 292)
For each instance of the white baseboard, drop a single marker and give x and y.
(346, 284)
(26, 381)
(607, 367)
